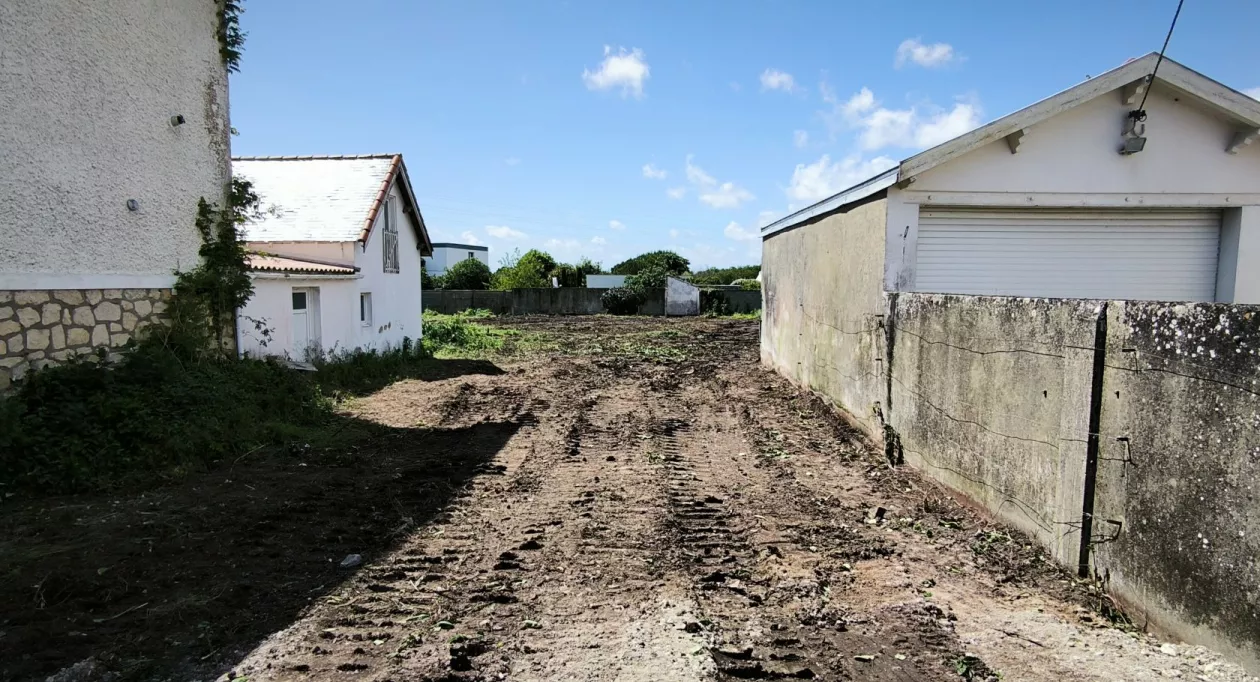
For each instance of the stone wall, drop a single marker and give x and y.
(38, 328)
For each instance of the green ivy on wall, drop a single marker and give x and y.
(231, 37)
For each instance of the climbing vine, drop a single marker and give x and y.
(231, 37)
(205, 299)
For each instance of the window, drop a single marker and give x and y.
(471, 255)
(299, 300)
(389, 236)
(365, 309)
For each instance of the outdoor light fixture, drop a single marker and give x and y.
(177, 120)
(133, 205)
(1134, 133)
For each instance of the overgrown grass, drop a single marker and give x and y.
(754, 315)
(153, 413)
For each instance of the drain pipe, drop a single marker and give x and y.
(1093, 440)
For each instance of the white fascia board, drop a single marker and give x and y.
(857, 192)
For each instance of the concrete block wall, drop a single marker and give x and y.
(39, 328)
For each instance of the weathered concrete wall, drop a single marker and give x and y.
(681, 298)
(737, 300)
(991, 397)
(558, 301)
(824, 302)
(1177, 516)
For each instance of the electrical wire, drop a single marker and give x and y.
(1151, 82)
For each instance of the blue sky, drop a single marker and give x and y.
(606, 129)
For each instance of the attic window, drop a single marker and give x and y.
(389, 236)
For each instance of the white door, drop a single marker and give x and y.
(1144, 254)
(305, 323)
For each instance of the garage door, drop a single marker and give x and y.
(1167, 255)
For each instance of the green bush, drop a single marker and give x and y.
(530, 271)
(714, 303)
(455, 335)
(670, 262)
(650, 277)
(621, 300)
(748, 284)
(725, 275)
(469, 273)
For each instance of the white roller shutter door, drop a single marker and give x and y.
(1167, 255)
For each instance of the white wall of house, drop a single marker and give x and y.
(272, 307)
(1071, 160)
(605, 281)
(88, 90)
(446, 256)
(396, 308)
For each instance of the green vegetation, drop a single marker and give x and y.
(668, 261)
(469, 273)
(725, 275)
(231, 37)
(450, 336)
(754, 315)
(535, 268)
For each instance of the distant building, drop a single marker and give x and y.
(336, 255)
(605, 281)
(446, 255)
(115, 123)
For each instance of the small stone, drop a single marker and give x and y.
(100, 335)
(37, 339)
(51, 313)
(84, 316)
(1168, 649)
(135, 294)
(69, 296)
(6, 312)
(6, 296)
(62, 355)
(8, 327)
(351, 560)
(30, 297)
(129, 321)
(127, 305)
(875, 514)
(143, 308)
(112, 294)
(117, 340)
(115, 326)
(16, 344)
(78, 337)
(108, 310)
(11, 361)
(531, 625)
(65, 316)
(58, 337)
(865, 658)
(159, 307)
(93, 296)
(28, 317)
(4, 347)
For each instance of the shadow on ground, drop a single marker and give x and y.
(182, 580)
(350, 377)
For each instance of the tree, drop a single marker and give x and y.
(651, 277)
(469, 273)
(725, 275)
(529, 271)
(670, 262)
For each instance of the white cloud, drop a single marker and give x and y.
(469, 238)
(564, 248)
(625, 70)
(653, 173)
(773, 79)
(929, 56)
(1253, 93)
(713, 193)
(800, 138)
(766, 217)
(821, 179)
(919, 126)
(726, 195)
(512, 161)
(616, 225)
(739, 234)
(599, 241)
(676, 192)
(504, 232)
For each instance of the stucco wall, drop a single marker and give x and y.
(445, 256)
(88, 90)
(396, 301)
(272, 307)
(1177, 513)
(821, 324)
(681, 298)
(991, 397)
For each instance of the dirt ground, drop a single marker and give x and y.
(639, 501)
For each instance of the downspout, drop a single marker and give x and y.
(892, 441)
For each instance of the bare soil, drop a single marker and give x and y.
(639, 500)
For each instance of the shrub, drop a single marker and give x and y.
(650, 277)
(469, 273)
(725, 275)
(621, 300)
(714, 303)
(748, 284)
(455, 335)
(530, 271)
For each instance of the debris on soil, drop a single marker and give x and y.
(351, 560)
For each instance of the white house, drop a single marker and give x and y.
(446, 254)
(605, 281)
(337, 255)
(115, 124)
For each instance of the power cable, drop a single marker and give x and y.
(1141, 110)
